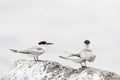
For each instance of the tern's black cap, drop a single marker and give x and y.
(42, 43)
(87, 42)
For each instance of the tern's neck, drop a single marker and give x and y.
(87, 46)
(43, 46)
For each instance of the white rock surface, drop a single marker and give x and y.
(47, 70)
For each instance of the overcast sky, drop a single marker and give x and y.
(67, 23)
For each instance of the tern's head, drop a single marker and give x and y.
(44, 43)
(87, 42)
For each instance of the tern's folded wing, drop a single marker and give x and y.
(74, 59)
(32, 50)
(25, 51)
(71, 55)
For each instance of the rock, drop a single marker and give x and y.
(48, 70)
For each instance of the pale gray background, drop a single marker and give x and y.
(67, 23)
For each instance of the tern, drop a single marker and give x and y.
(82, 56)
(34, 51)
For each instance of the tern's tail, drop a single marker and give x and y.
(15, 51)
(64, 57)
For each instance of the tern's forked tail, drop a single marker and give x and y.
(15, 51)
(64, 57)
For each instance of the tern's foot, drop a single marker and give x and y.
(39, 61)
(84, 67)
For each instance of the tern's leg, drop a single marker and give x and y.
(81, 64)
(85, 63)
(84, 66)
(35, 59)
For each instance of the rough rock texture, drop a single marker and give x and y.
(47, 70)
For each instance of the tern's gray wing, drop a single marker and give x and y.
(25, 51)
(74, 55)
(71, 55)
(73, 58)
(31, 51)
